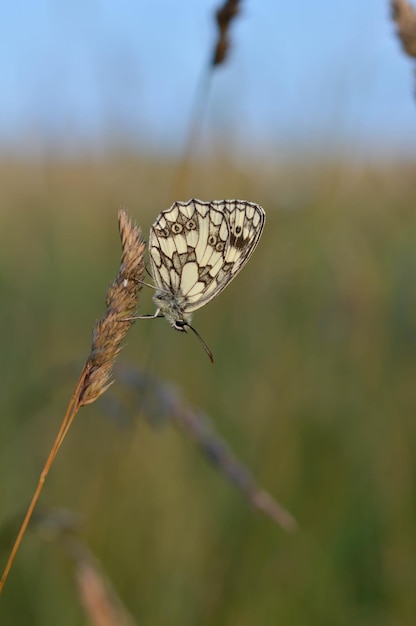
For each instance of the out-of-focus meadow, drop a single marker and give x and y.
(313, 388)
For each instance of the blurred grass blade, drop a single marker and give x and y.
(223, 16)
(160, 402)
(101, 603)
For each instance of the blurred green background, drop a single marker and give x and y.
(313, 387)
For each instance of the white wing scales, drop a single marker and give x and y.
(197, 248)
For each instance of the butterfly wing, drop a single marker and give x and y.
(245, 222)
(178, 248)
(197, 248)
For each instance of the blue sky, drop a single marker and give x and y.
(327, 73)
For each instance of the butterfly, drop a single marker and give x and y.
(196, 249)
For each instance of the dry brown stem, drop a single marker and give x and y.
(224, 16)
(404, 14)
(107, 335)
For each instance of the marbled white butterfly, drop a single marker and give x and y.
(196, 249)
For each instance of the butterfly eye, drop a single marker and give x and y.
(212, 240)
(220, 246)
(190, 225)
(176, 229)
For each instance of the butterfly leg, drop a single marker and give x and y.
(142, 282)
(142, 317)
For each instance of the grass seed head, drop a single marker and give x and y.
(121, 301)
(224, 16)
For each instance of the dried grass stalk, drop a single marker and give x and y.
(108, 334)
(404, 14)
(101, 604)
(224, 16)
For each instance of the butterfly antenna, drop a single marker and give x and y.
(202, 342)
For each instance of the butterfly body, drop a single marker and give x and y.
(196, 248)
(168, 306)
